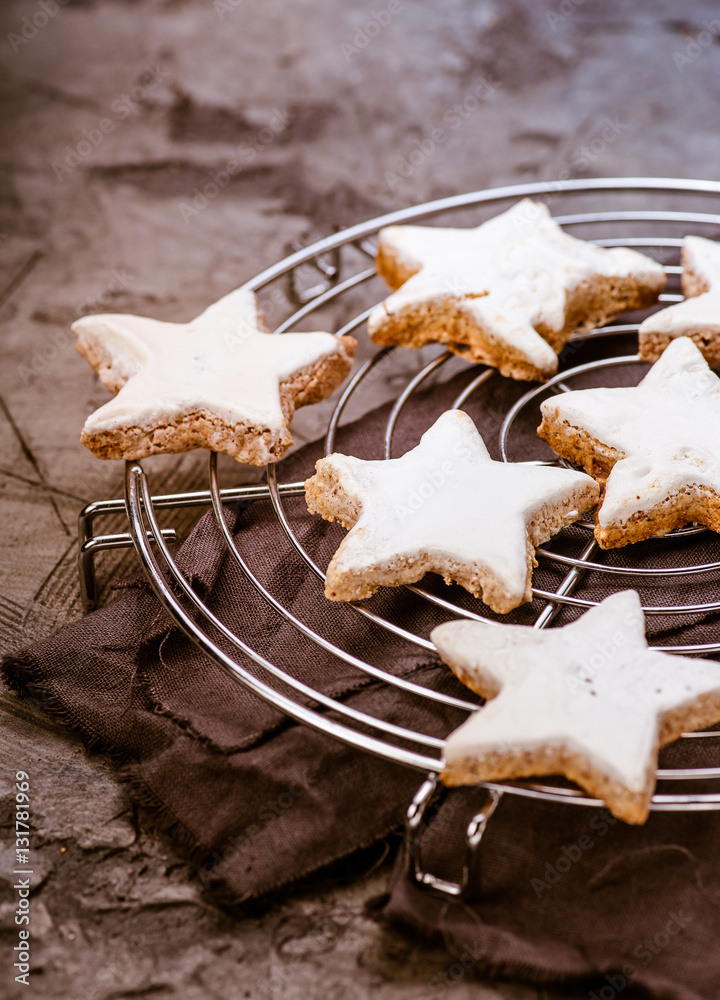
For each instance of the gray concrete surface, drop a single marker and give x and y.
(114, 112)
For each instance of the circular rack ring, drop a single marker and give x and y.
(404, 745)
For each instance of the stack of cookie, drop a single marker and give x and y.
(508, 294)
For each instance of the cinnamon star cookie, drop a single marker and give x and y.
(589, 701)
(445, 507)
(699, 316)
(221, 381)
(654, 447)
(509, 293)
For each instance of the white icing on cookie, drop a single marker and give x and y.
(701, 311)
(224, 361)
(592, 688)
(447, 500)
(509, 275)
(668, 429)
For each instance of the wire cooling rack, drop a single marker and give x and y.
(603, 210)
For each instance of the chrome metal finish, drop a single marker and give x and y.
(88, 548)
(416, 821)
(329, 270)
(655, 229)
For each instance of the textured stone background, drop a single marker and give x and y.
(116, 913)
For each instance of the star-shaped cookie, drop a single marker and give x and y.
(221, 381)
(698, 317)
(444, 507)
(590, 701)
(509, 293)
(655, 447)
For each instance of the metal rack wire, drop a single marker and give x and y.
(679, 208)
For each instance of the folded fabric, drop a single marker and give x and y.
(259, 801)
(571, 894)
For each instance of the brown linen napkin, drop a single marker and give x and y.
(572, 894)
(259, 801)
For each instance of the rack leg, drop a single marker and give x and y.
(414, 825)
(86, 559)
(86, 572)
